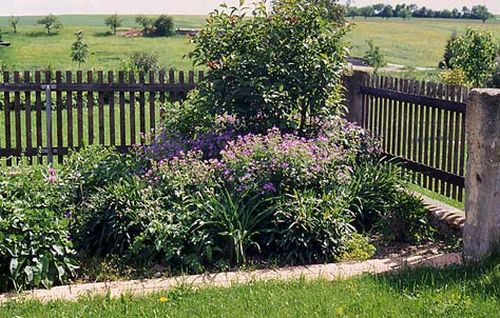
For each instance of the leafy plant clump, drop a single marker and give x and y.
(374, 57)
(36, 247)
(475, 53)
(280, 69)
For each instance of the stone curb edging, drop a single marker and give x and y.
(325, 271)
(444, 216)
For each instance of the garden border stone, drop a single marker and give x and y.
(311, 272)
(444, 217)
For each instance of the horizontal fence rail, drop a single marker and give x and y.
(422, 126)
(45, 114)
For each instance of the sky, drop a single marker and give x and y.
(40, 7)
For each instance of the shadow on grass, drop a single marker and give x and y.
(480, 279)
(38, 34)
(103, 34)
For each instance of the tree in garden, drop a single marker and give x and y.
(145, 22)
(14, 21)
(50, 22)
(164, 25)
(79, 49)
(114, 22)
(279, 69)
(475, 53)
(374, 57)
(481, 13)
(387, 12)
(367, 11)
(404, 14)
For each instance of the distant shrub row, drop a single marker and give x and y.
(406, 11)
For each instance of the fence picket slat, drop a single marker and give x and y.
(112, 124)
(152, 108)
(123, 137)
(17, 117)
(79, 111)
(131, 80)
(69, 110)
(142, 109)
(59, 125)
(90, 109)
(100, 80)
(27, 120)
(38, 115)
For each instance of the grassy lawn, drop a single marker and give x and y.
(436, 196)
(417, 42)
(457, 291)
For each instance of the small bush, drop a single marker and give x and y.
(235, 221)
(453, 77)
(113, 216)
(258, 72)
(164, 26)
(143, 62)
(374, 57)
(310, 228)
(94, 167)
(405, 220)
(357, 248)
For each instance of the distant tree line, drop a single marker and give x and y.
(406, 11)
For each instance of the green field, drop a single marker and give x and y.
(417, 42)
(457, 291)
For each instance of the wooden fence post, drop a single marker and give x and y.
(353, 99)
(482, 202)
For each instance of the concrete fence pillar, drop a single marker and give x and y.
(482, 205)
(353, 99)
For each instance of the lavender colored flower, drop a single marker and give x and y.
(269, 187)
(67, 214)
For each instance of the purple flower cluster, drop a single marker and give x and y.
(52, 176)
(168, 145)
(267, 164)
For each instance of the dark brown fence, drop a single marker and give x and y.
(46, 114)
(422, 125)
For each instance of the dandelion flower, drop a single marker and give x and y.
(163, 299)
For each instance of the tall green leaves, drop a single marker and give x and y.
(236, 219)
(79, 49)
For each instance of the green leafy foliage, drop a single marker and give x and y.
(475, 53)
(113, 216)
(310, 228)
(114, 22)
(279, 69)
(79, 49)
(236, 220)
(374, 57)
(164, 26)
(357, 248)
(36, 248)
(50, 23)
(143, 62)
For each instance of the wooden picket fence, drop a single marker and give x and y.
(421, 125)
(46, 114)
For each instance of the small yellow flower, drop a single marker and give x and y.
(163, 299)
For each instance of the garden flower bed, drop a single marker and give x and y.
(265, 199)
(255, 168)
